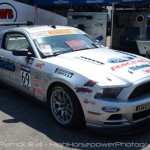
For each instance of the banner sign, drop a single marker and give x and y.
(82, 2)
(128, 1)
(8, 13)
(73, 2)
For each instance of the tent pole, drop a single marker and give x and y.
(112, 23)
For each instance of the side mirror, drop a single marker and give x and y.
(20, 52)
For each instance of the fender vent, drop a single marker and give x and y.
(90, 60)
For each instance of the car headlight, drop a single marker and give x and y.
(107, 93)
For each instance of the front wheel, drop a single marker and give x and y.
(65, 106)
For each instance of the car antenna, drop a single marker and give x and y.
(53, 26)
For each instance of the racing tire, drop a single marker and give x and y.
(65, 107)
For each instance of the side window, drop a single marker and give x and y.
(16, 41)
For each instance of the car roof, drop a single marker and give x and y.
(41, 28)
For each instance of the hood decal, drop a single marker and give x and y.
(125, 64)
(93, 64)
(147, 70)
(90, 60)
(138, 67)
(120, 59)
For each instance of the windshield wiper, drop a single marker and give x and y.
(55, 54)
(94, 45)
(87, 48)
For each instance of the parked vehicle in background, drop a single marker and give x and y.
(148, 27)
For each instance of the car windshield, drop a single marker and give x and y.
(59, 44)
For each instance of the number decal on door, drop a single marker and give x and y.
(25, 76)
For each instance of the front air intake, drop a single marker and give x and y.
(141, 90)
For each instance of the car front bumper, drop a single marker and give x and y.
(128, 113)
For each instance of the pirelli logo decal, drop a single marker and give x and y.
(143, 107)
(64, 72)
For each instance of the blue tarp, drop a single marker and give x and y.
(86, 2)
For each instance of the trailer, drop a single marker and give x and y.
(13, 11)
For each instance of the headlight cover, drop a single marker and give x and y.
(107, 93)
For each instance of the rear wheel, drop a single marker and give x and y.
(65, 106)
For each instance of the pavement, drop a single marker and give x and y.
(27, 125)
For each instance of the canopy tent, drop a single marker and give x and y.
(69, 2)
(88, 2)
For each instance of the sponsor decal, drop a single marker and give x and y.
(38, 72)
(86, 88)
(53, 33)
(94, 1)
(25, 68)
(38, 93)
(7, 65)
(40, 65)
(130, 71)
(83, 90)
(143, 107)
(60, 32)
(64, 73)
(138, 67)
(8, 74)
(61, 2)
(41, 34)
(86, 101)
(25, 76)
(90, 83)
(46, 50)
(7, 12)
(125, 64)
(38, 84)
(29, 61)
(111, 109)
(146, 70)
(131, 0)
(118, 60)
(109, 79)
(37, 80)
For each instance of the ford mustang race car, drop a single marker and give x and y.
(81, 81)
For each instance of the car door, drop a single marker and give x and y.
(16, 70)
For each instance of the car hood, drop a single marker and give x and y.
(106, 66)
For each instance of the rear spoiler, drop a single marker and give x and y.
(28, 23)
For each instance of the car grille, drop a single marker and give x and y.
(115, 117)
(115, 120)
(141, 115)
(141, 90)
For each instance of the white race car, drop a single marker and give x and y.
(81, 82)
